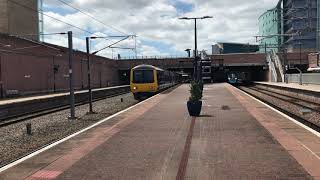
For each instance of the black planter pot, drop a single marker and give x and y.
(194, 107)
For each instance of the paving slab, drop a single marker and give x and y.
(229, 143)
(157, 139)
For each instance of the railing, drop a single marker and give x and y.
(152, 57)
(310, 78)
(278, 64)
(272, 68)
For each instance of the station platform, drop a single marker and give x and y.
(305, 87)
(236, 137)
(49, 95)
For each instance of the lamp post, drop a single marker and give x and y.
(188, 51)
(195, 63)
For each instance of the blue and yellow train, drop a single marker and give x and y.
(147, 80)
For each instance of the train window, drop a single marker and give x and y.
(143, 76)
(161, 77)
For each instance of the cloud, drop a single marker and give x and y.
(157, 21)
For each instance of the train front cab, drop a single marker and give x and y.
(143, 82)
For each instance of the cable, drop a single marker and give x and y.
(41, 12)
(92, 17)
(87, 14)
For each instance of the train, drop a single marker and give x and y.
(147, 80)
(237, 78)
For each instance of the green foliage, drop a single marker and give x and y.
(195, 91)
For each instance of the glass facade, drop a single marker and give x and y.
(269, 29)
(291, 26)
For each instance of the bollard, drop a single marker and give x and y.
(28, 126)
(121, 99)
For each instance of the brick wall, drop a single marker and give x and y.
(32, 70)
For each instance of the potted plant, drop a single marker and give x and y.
(194, 104)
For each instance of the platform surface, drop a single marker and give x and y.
(235, 138)
(307, 87)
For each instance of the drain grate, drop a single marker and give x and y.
(225, 107)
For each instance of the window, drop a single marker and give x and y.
(143, 76)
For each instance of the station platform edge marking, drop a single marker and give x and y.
(314, 173)
(6, 167)
(282, 114)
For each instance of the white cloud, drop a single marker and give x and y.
(157, 21)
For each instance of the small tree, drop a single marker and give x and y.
(195, 92)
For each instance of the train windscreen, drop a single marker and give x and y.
(143, 76)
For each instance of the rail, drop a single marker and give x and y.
(303, 110)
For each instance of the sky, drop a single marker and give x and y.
(155, 23)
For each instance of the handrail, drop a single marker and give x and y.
(151, 57)
(272, 67)
(278, 64)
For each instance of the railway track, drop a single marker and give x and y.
(20, 118)
(305, 111)
(294, 100)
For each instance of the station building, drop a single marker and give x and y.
(269, 26)
(230, 47)
(290, 26)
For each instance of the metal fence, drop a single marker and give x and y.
(150, 57)
(312, 78)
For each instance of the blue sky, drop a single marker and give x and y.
(156, 24)
(182, 7)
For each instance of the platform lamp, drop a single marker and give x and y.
(188, 51)
(195, 64)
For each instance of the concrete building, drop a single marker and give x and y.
(229, 48)
(19, 17)
(291, 26)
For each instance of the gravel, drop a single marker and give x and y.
(312, 116)
(16, 143)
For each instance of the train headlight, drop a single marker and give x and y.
(135, 88)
